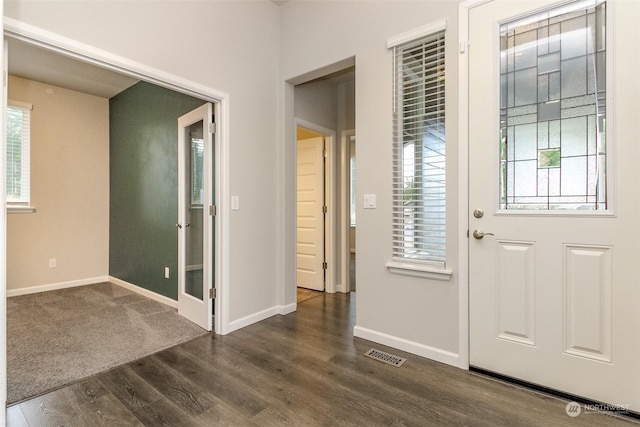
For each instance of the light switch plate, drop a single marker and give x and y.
(235, 203)
(369, 201)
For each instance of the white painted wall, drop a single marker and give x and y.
(317, 102)
(346, 105)
(70, 189)
(418, 314)
(229, 46)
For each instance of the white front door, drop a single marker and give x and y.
(310, 214)
(195, 216)
(553, 110)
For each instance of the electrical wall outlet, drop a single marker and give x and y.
(53, 263)
(166, 272)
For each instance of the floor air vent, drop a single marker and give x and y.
(385, 357)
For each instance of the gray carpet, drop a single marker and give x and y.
(58, 337)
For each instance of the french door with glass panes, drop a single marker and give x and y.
(195, 216)
(553, 250)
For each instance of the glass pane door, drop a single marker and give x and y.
(194, 247)
(195, 217)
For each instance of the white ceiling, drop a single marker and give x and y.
(44, 66)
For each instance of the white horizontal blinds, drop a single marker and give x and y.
(419, 228)
(18, 153)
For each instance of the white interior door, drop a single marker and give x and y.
(554, 288)
(310, 215)
(195, 220)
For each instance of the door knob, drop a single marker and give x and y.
(179, 225)
(479, 234)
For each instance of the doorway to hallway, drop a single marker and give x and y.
(311, 210)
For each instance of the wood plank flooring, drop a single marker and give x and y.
(304, 294)
(303, 369)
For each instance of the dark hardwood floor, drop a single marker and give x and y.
(303, 369)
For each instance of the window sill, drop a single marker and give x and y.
(417, 270)
(21, 209)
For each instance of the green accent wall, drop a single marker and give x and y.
(143, 134)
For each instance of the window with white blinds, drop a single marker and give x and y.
(419, 151)
(18, 153)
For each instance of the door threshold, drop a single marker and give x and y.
(624, 413)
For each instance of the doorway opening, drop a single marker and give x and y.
(311, 211)
(324, 108)
(89, 63)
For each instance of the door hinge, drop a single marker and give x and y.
(212, 210)
(324, 265)
(325, 209)
(212, 128)
(212, 293)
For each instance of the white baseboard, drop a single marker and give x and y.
(55, 286)
(252, 318)
(340, 289)
(261, 315)
(286, 309)
(144, 292)
(422, 350)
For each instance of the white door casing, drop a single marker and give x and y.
(347, 232)
(553, 296)
(195, 221)
(3, 239)
(310, 215)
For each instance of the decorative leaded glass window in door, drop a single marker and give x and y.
(552, 110)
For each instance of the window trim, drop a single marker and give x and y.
(405, 266)
(22, 207)
(419, 269)
(417, 33)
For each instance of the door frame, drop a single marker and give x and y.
(345, 207)
(330, 199)
(58, 44)
(464, 9)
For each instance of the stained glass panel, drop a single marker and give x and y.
(552, 110)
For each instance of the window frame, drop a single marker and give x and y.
(24, 204)
(417, 265)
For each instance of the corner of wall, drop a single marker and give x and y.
(422, 350)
